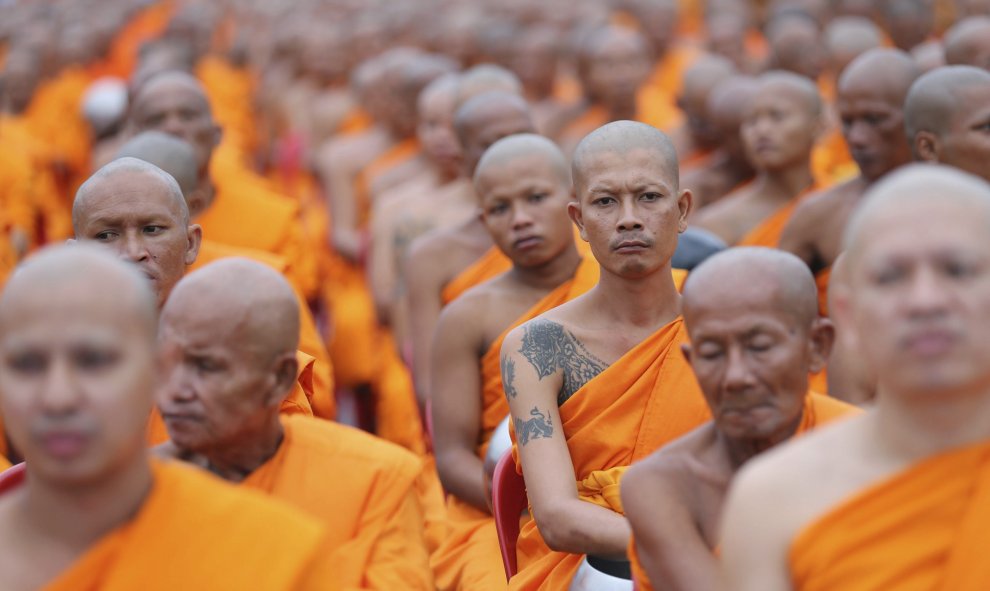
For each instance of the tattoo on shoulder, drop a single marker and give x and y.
(538, 427)
(549, 348)
(508, 376)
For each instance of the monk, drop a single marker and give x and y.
(727, 168)
(583, 380)
(871, 95)
(847, 37)
(229, 359)
(780, 124)
(752, 315)
(908, 22)
(945, 114)
(795, 41)
(93, 510)
(968, 42)
(523, 187)
(178, 159)
(893, 498)
(443, 265)
(231, 206)
(696, 138)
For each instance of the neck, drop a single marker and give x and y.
(786, 183)
(924, 425)
(644, 302)
(742, 450)
(236, 461)
(79, 516)
(552, 273)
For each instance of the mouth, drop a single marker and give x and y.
(631, 246)
(930, 343)
(180, 419)
(64, 445)
(527, 243)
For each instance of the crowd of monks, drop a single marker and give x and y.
(287, 285)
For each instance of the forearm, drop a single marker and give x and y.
(462, 475)
(579, 527)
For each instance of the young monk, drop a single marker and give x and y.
(894, 498)
(443, 265)
(968, 42)
(779, 128)
(523, 187)
(946, 114)
(228, 354)
(77, 379)
(752, 315)
(583, 381)
(871, 94)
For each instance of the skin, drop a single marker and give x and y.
(698, 134)
(848, 37)
(523, 187)
(751, 314)
(228, 359)
(916, 310)
(909, 22)
(796, 46)
(966, 43)
(947, 116)
(436, 259)
(138, 211)
(779, 128)
(870, 102)
(171, 154)
(614, 63)
(849, 377)
(77, 371)
(630, 210)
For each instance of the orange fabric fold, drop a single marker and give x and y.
(469, 556)
(492, 263)
(767, 233)
(921, 529)
(818, 410)
(374, 524)
(195, 532)
(644, 400)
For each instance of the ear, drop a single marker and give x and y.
(684, 201)
(194, 236)
(284, 371)
(574, 212)
(821, 338)
(686, 351)
(926, 146)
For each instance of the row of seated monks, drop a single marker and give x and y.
(284, 282)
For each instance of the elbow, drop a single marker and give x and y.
(557, 529)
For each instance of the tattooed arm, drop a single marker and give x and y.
(536, 379)
(456, 401)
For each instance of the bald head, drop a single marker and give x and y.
(92, 192)
(485, 78)
(849, 36)
(523, 146)
(968, 42)
(169, 153)
(769, 276)
(795, 86)
(487, 118)
(795, 44)
(620, 138)
(699, 80)
(890, 71)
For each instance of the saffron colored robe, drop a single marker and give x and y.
(194, 531)
(492, 263)
(469, 557)
(767, 233)
(373, 518)
(818, 410)
(641, 402)
(922, 529)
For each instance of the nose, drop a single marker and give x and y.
(60, 393)
(928, 294)
(133, 248)
(173, 126)
(858, 135)
(737, 373)
(521, 217)
(629, 216)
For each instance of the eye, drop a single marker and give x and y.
(28, 363)
(889, 276)
(603, 201)
(205, 365)
(105, 236)
(498, 209)
(537, 197)
(651, 196)
(709, 352)
(94, 359)
(958, 269)
(760, 345)
(153, 230)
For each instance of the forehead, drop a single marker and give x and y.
(498, 125)
(209, 321)
(517, 174)
(738, 302)
(438, 102)
(129, 194)
(604, 168)
(775, 95)
(166, 96)
(973, 102)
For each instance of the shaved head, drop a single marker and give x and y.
(781, 278)
(890, 71)
(523, 146)
(169, 153)
(620, 138)
(934, 97)
(487, 118)
(794, 85)
(968, 42)
(91, 190)
(849, 36)
(169, 80)
(485, 78)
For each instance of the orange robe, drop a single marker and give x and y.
(767, 233)
(822, 279)
(831, 160)
(469, 557)
(644, 400)
(149, 23)
(924, 528)
(230, 90)
(818, 410)
(4, 464)
(492, 263)
(656, 101)
(194, 531)
(320, 391)
(375, 522)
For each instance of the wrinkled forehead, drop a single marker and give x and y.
(127, 194)
(603, 168)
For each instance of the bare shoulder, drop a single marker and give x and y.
(823, 203)
(665, 472)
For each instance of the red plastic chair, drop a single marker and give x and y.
(11, 477)
(508, 502)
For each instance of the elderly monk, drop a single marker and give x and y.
(752, 316)
(727, 168)
(444, 264)
(137, 210)
(228, 354)
(77, 379)
(870, 103)
(946, 114)
(968, 42)
(583, 380)
(780, 124)
(523, 187)
(232, 206)
(895, 498)
(178, 158)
